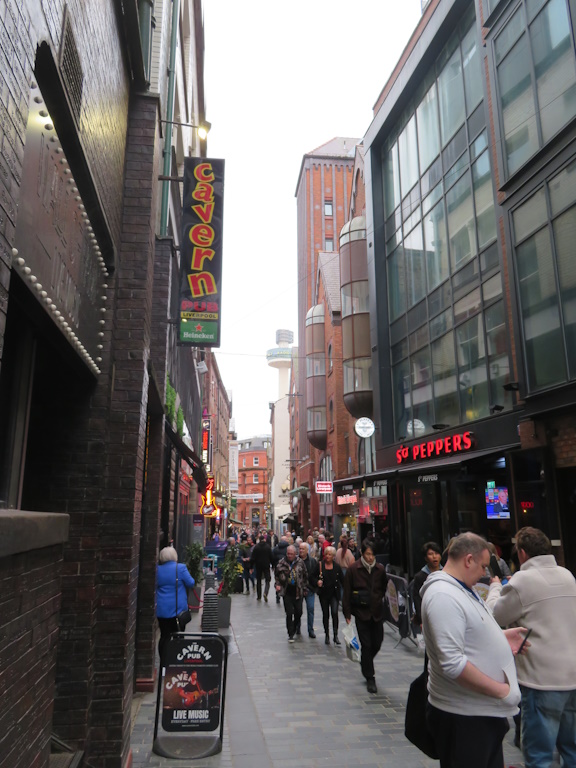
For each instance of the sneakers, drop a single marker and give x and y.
(371, 686)
(312, 634)
(265, 598)
(291, 639)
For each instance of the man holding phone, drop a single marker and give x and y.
(542, 596)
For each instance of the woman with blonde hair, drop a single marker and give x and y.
(330, 582)
(173, 581)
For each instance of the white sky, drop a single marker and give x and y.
(280, 80)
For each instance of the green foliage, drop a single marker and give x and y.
(180, 421)
(231, 568)
(195, 560)
(170, 401)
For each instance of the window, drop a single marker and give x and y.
(255, 461)
(428, 128)
(331, 414)
(243, 462)
(451, 89)
(328, 208)
(255, 478)
(536, 74)
(330, 362)
(329, 244)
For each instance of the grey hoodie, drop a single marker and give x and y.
(459, 628)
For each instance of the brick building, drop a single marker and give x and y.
(253, 498)
(470, 211)
(96, 397)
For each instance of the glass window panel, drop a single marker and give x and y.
(563, 189)
(445, 381)
(533, 6)
(484, 200)
(436, 246)
(461, 230)
(464, 279)
(472, 72)
(408, 152)
(472, 373)
(497, 353)
(441, 324)
(396, 284)
(517, 106)
(411, 221)
(479, 145)
(391, 181)
(419, 338)
(490, 259)
(400, 350)
(315, 364)
(451, 93)
(530, 216)
(540, 312)
(509, 35)
(415, 266)
(555, 69)
(422, 394)
(467, 306)
(565, 237)
(316, 419)
(432, 198)
(428, 128)
(492, 288)
(401, 398)
(456, 170)
(355, 298)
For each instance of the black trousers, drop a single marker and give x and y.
(467, 741)
(167, 627)
(293, 608)
(329, 606)
(370, 637)
(259, 573)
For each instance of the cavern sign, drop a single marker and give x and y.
(201, 253)
(435, 449)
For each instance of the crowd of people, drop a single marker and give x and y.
(482, 669)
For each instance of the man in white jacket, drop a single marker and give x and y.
(472, 686)
(542, 596)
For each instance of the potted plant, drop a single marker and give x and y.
(230, 570)
(194, 554)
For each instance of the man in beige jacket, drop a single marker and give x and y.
(542, 597)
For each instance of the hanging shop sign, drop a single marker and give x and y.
(207, 443)
(324, 486)
(201, 253)
(209, 507)
(364, 427)
(435, 449)
(349, 498)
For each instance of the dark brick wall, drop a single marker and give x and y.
(29, 605)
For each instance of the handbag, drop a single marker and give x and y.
(360, 598)
(415, 725)
(184, 616)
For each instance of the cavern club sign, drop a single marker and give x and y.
(435, 449)
(200, 308)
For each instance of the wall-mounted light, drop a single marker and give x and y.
(496, 408)
(512, 386)
(203, 128)
(440, 426)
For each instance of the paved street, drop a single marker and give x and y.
(304, 704)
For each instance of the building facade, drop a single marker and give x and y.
(470, 205)
(96, 397)
(253, 497)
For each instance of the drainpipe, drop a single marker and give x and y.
(169, 118)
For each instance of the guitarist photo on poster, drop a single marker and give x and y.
(188, 703)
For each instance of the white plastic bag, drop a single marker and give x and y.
(352, 644)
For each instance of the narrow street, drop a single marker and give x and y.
(304, 704)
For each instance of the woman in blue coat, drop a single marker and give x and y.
(167, 606)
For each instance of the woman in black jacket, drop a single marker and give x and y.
(330, 582)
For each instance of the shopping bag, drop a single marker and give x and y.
(415, 725)
(352, 644)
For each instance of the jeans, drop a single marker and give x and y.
(548, 721)
(329, 606)
(310, 597)
(259, 574)
(293, 608)
(370, 636)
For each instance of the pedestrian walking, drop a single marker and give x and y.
(278, 553)
(364, 590)
(173, 581)
(312, 571)
(291, 584)
(261, 562)
(330, 581)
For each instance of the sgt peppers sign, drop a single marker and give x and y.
(201, 253)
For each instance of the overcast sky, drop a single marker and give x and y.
(281, 79)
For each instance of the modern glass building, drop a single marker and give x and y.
(470, 218)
